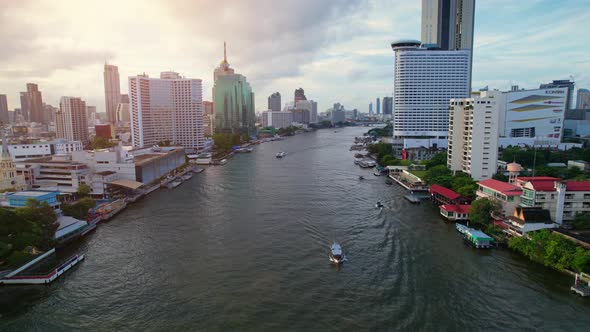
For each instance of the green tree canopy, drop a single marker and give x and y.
(480, 210)
(79, 209)
(83, 190)
(99, 142)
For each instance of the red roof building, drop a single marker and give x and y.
(563, 205)
(455, 212)
(444, 195)
(507, 194)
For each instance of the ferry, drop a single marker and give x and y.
(336, 254)
(281, 154)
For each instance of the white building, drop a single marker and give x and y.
(166, 109)
(56, 173)
(43, 149)
(537, 113)
(311, 106)
(277, 119)
(71, 120)
(473, 135)
(424, 82)
(112, 91)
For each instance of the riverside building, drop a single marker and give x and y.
(473, 135)
(425, 79)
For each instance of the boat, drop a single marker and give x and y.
(281, 154)
(187, 176)
(174, 183)
(336, 254)
(361, 177)
(377, 173)
(357, 160)
(198, 170)
(378, 205)
(223, 162)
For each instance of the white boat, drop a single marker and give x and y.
(336, 254)
(357, 160)
(223, 162)
(174, 183)
(281, 154)
(187, 176)
(378, 205)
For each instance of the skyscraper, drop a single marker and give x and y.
(32, 104)
(233, 100)
(112, 91)
(424, 82)
(168, 109)
(583, 99)
(299, 95)
(274, 102)
(378, 106)
(387, 105)
(3, 111)
(371, 108)
(314, 112)
(71, 122)
(569, 100)
(449, 24)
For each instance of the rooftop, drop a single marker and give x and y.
(537, 178)
(502, 187)
(448, 193)
(569, 185)
(459, 208)
(32, 193)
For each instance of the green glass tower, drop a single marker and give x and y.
(234, 105)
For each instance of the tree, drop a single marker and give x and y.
(573, 172)
(83, 190)
(436, 171)
(582, 221)
(164, 143)
(79, 210)
(500, 177)
(547, 171)
(480, 210)
(99, 142)
(43, 216)
(436, 160)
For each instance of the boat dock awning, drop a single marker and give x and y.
(127, 183)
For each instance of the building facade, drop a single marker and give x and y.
(166, 109)
(508, 195)
(302, 116)
(378, 105)
(274, 102)
(387, 105)
(277, 119)
(582, 99)
(424, 82)
(234, 105)
(208, 118)
(9, 179)
(71, 121)
(473, 135)
(537, 113)
(32, 101)
(299, 95)
(112, 91)
(4, 119)
(559, 84)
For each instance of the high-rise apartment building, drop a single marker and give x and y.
(166, 109)
(299, 95)
(71, 121)
(583, 99)
(569, 85)
(32, 104)
(112, 91)
(4, 120)
(473, 135)
(387, 105)
(314, 112)
(425, 80)
(274, 102)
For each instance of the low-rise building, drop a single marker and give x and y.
(563, 199)
(56, 173)
(19, 199)
(455, 212)
(442, 195)
(277, 119)
(507, 194)
(527, 219)
(581, 164)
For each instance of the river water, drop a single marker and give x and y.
(243, 247)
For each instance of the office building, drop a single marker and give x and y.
(378, 106)
(473, 135)
(112, 91)
(582, 100)
(274, 102)
(166, 109)
(71, 120)
(425, 80)
(387, 105)
(302, 116)
(49, 113)
(32, 104)
(106, 131)
(577, 123)
(371, 108)
(277, 119)
(4, 119)
(299, 95)
(123, 112)
(311, 106)
(338, 113)
(536, 113)
(569, 85)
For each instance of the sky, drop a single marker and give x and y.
(338, 51)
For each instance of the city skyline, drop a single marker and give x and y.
(69, 61)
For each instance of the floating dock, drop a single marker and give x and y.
(45, 278)
(412, 199)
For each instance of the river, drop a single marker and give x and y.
(243, 247)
